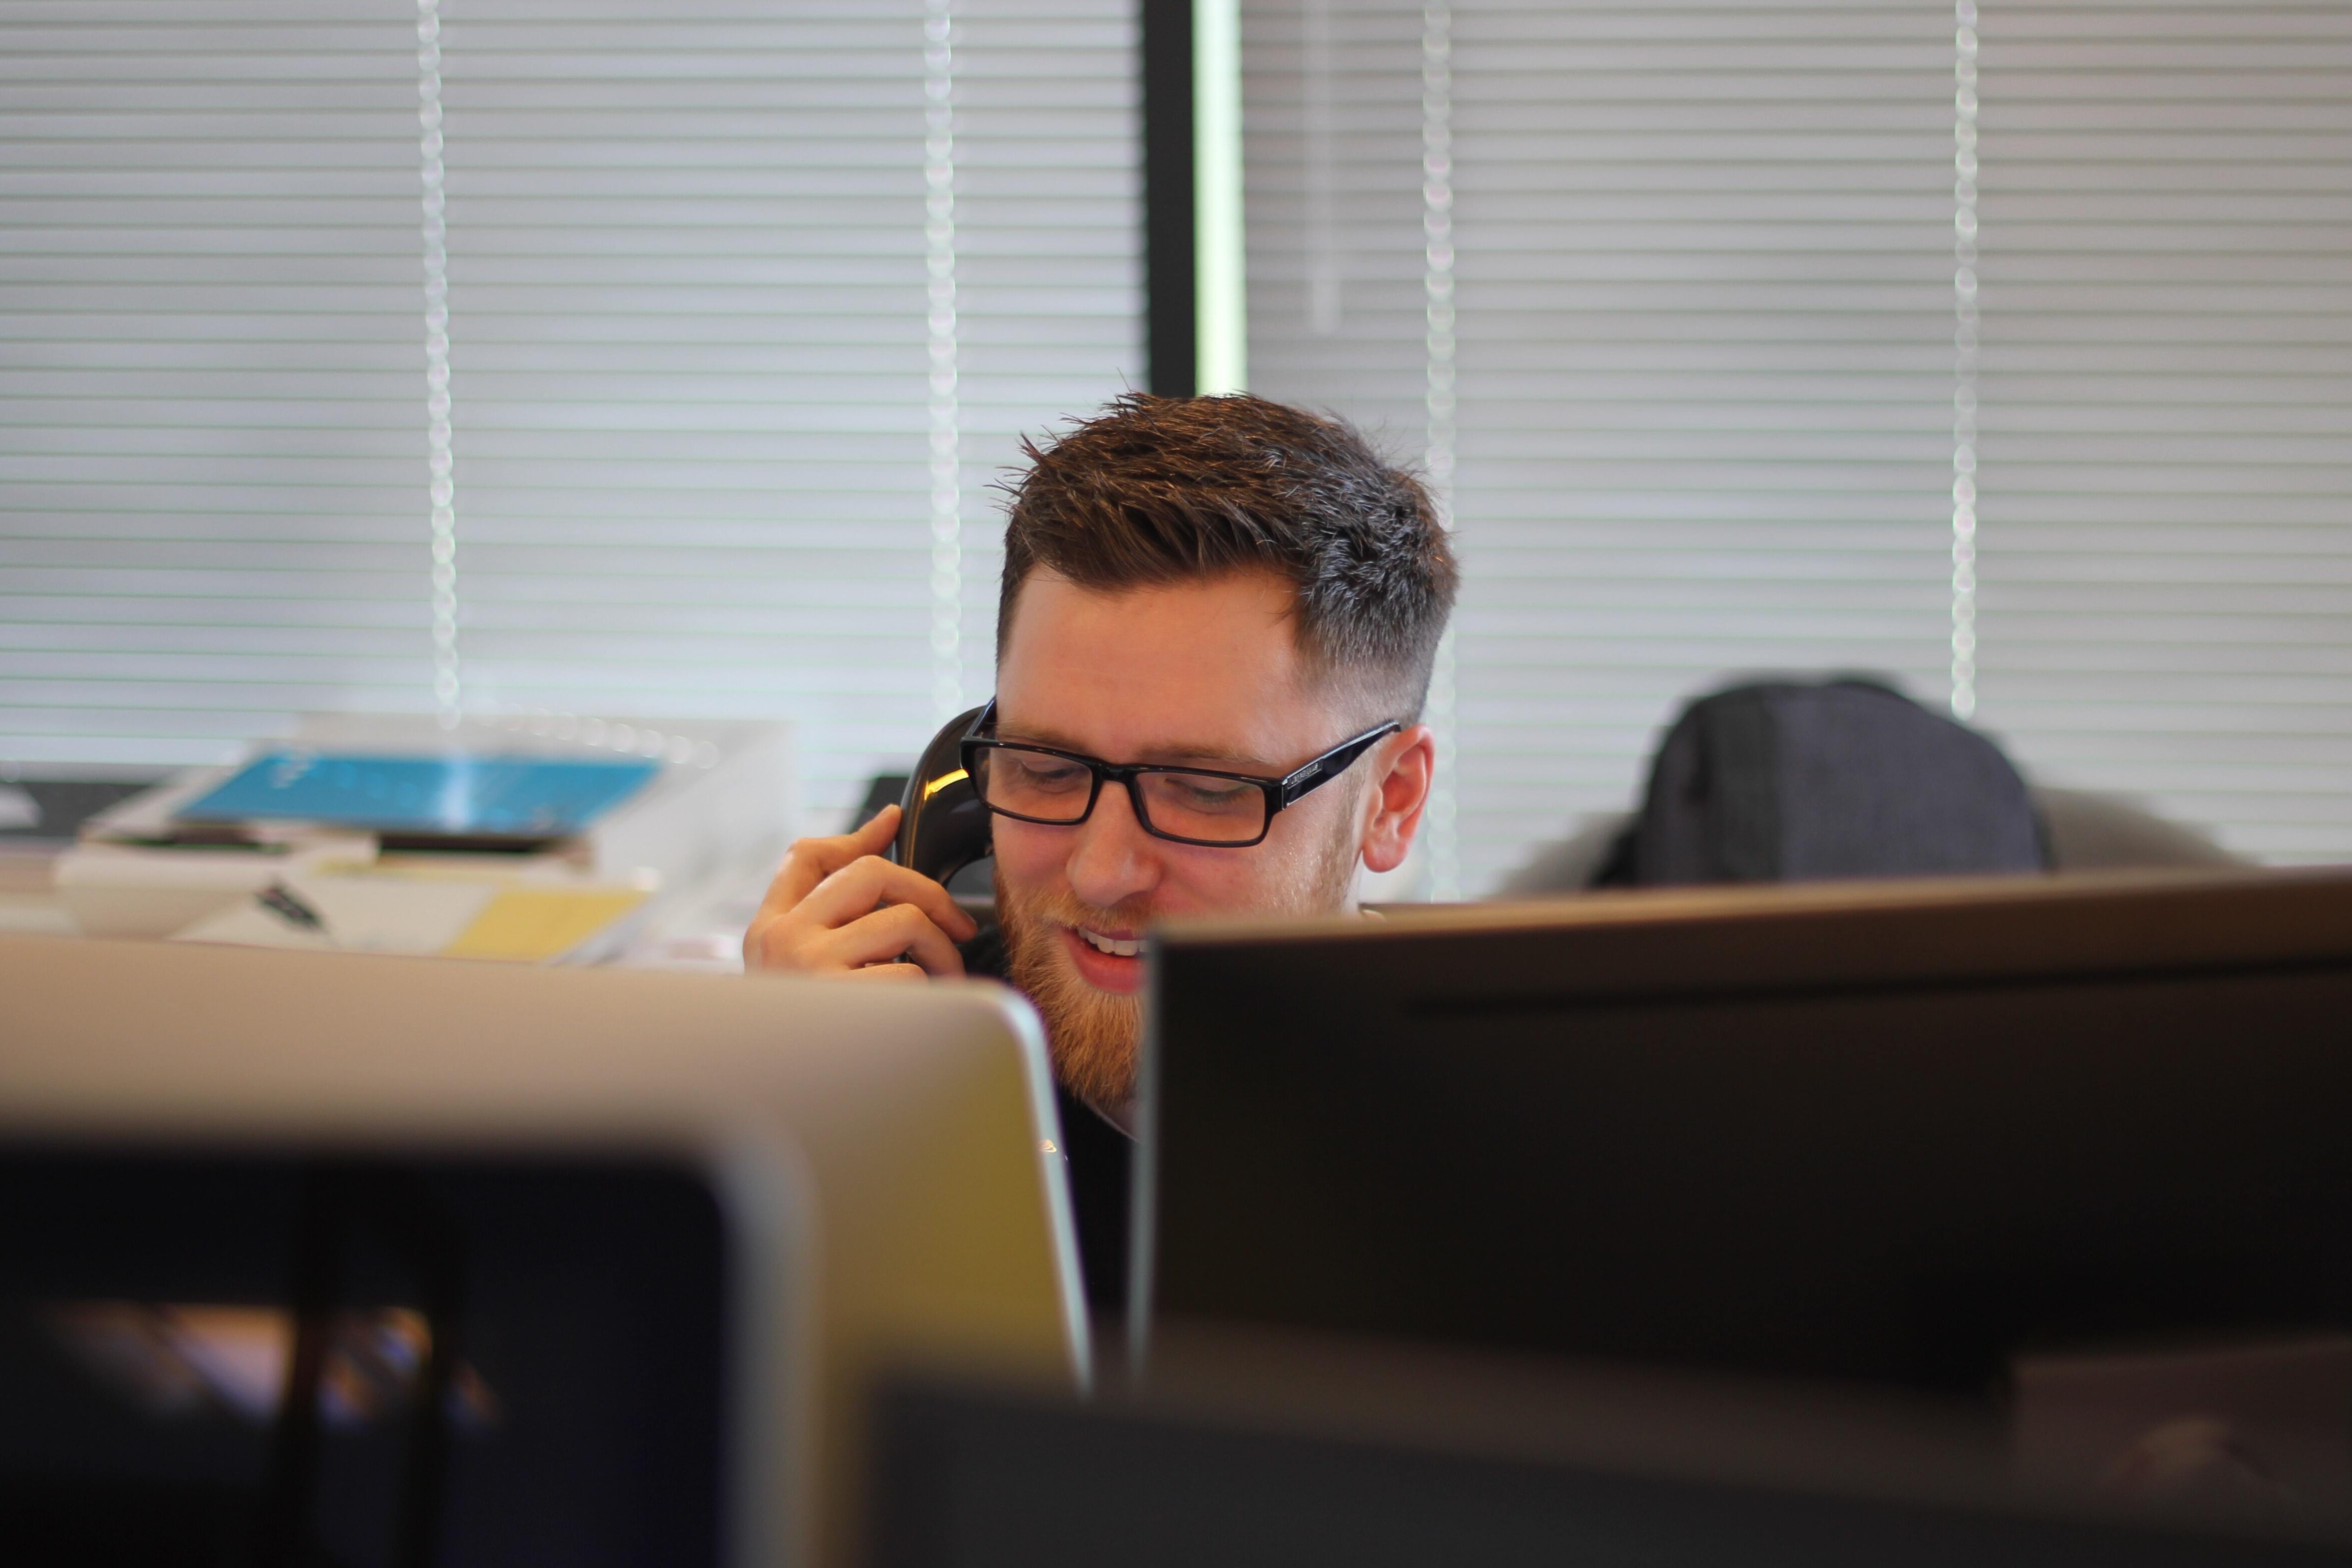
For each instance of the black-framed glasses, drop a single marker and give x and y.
(1182, 805)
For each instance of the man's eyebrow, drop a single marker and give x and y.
(1204, 756)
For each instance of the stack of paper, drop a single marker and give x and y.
(592, 804)
(612, 800)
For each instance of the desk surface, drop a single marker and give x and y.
(699, 928)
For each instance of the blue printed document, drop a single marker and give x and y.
(460, 796)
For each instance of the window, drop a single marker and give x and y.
(214, 509)
(2166, 477)
(1668, 299)
(746, 307)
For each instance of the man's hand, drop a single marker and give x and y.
(838, 907)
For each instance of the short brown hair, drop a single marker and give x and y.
(1157, 490)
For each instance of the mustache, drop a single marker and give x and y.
(1132, 915)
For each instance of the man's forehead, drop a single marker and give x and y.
(1260, 600)
(1207, 671)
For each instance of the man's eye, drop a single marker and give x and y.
(1209, 794)
(1046, 773)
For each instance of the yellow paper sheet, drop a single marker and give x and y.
(533, 925)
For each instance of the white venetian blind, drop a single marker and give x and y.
(212, 424)
(2166, 487)
(692, 337)
(1701, 281)
(1331, 154)
(747, 304)
(1050, 259)
(1716, 327)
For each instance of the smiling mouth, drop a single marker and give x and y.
(1113, 946)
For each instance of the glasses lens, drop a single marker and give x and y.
(1033, 784)
(1204, 806)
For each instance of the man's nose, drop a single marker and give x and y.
(1113, 859)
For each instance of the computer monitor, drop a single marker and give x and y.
(1925, 1134)
(650, 1235)
(1263, 1451)
(514, 1353)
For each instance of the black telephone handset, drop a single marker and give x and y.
(943, 829)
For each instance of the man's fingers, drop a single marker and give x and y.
(887, 933)
(792, 942)
(857, 887)
(837, 906)
(889, 972)
(810, 861)
(880, 829)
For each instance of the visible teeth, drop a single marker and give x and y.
(1112, 945)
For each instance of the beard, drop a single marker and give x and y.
(1094, 1035)
(1090, 1033)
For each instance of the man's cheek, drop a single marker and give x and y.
(1197, 879)
(1026, 858)
(1214, 881)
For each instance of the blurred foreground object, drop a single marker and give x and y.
(2250, 1427)
(1923, 1135)
(1244, 1449)
(590, 1264)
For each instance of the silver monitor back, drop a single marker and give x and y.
(882, 1157)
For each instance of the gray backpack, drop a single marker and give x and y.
(1787, 782)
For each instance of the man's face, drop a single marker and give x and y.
(1204, 674)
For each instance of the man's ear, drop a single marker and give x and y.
(1403, 765)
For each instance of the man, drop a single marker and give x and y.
(1214, 636)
